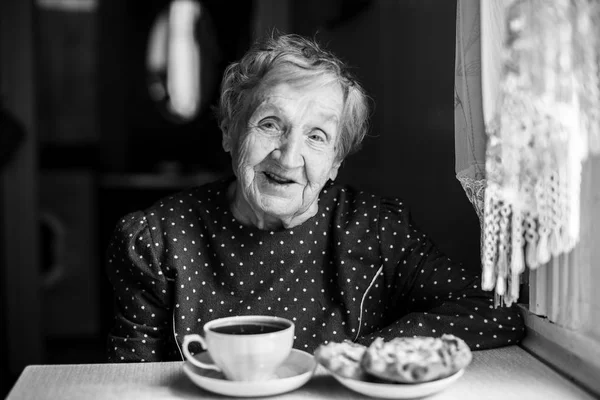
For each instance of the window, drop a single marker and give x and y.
(563, 315)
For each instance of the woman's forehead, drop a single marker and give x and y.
(277, 89)
(320, 100)
(298, 77)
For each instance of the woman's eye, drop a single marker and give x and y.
(269, 125)
(318, 136)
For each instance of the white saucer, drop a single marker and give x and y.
(398, 390)
(295, 371)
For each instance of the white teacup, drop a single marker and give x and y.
(244, 348)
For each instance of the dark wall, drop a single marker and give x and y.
(403, 52)
(135, 135)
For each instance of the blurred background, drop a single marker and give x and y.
(106, 107)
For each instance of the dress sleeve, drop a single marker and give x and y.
(143, 311)
(429, 295)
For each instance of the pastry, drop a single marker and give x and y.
(342, 358)
(416, 359)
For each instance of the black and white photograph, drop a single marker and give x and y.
(300, 199)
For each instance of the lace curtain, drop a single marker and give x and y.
(525, 123)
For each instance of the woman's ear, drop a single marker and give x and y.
(226, 142)
(334, 170)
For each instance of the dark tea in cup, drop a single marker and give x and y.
(249, 328)
(244, 348)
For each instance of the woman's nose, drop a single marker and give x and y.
(289, 153)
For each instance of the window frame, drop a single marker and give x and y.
(575, 355)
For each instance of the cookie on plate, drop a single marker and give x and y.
(416, 359)
(342, 358)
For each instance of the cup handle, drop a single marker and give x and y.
(196, 338)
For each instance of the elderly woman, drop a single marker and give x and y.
(279, 238)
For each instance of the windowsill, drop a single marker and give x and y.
(575, 355)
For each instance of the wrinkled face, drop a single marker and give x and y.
(287, 151)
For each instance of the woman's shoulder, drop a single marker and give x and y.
(190, 198)
(342, 193)
(346, 196)
(165, 215)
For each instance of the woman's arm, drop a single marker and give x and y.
(431, 295)
(143, 318)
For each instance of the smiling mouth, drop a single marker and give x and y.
(277, 179)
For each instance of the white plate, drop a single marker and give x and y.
(295, 371)
(398, 390)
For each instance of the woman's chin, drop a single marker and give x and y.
(278, 204)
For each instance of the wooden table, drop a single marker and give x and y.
(507, 373)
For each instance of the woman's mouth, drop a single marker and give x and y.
(277, 179)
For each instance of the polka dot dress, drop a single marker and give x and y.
(356, 270)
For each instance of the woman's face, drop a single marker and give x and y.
(287, 152)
